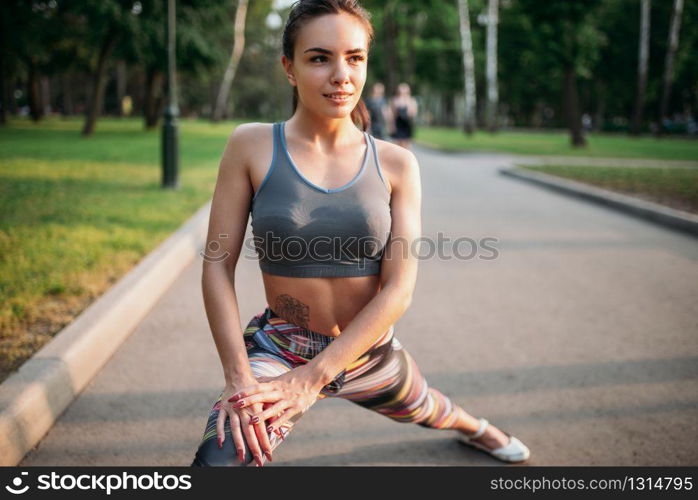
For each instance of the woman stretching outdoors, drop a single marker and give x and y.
(327, 330)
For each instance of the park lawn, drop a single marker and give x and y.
(673, 187)
(76, 214)
(558, 144)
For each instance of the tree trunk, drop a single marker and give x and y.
(601, 98)
(492, 94)
(536, 119)
(45, 88)
(390, 52)
(4, 105)
(99, 81)
(35, 107)
(468, 66)
(447, 109)
(571, 107)
(669, 62)
(154, 97)
(643, 57)
(13, 105)
(413, 29)
(238, 47)
(120, 86)
(68, 103)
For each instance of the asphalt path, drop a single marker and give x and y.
(570, 325)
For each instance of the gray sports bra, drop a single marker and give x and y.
(304, 230)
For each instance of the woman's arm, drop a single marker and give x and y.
(415, 107)
(388, 116)
(398, 277)
(226, 232)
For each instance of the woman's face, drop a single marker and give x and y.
(330, 56)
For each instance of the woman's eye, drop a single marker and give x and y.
(316, 58)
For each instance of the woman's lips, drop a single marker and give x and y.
(338, 99)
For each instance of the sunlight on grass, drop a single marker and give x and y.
(558, 143)
(77, 213)
(673, 187)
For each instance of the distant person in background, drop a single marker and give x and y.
(377, 109)
(403, 109)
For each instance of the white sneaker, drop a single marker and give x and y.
(513, 451)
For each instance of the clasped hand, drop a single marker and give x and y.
(287, 395)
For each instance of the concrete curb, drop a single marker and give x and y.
(32, 398)
(653, 212)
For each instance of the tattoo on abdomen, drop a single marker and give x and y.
(292, 310)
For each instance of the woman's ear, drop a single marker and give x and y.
(288, 69)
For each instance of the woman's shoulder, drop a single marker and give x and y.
(252, 130)
(395, 161)
(249, 146)
(250, 137)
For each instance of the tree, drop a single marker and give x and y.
(643, 57)
(564, 30)
(230, 70)
(59, 43)
(202, 35)
(468, 66)
(28, 32)
(669, 61)
(105, 23)
(492, 94)
(391, 53)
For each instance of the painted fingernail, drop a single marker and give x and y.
(220, 443)
(268, 455)
(239, 404)
(241, 455)
(258, 459)
(270, 428)
(254, 419)
(235, 397)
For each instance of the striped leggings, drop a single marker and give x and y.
(384, 379)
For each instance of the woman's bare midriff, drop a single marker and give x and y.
(323, 305)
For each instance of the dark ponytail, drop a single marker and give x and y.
(303, 11)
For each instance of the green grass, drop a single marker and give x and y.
(673, 187)
(77, 213)
(558, 143)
